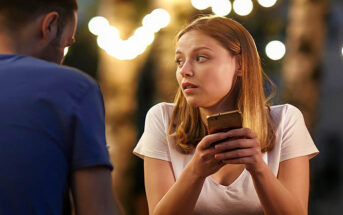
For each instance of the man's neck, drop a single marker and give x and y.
(7, 45)
(17, 43)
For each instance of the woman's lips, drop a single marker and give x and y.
(188, 87)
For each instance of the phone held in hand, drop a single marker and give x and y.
(222, 122)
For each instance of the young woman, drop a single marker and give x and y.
(262, 168)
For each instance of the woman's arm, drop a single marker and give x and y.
(287, 194)
(167, 196)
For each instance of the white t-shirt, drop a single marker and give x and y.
(292, 140)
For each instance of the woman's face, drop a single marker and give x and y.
(205, 70)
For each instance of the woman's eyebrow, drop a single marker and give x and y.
(196, 49)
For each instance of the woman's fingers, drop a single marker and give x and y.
(235, 154)
(242, 132)
(207, 154)
(208, 140)
(235, 144)
(244, 160)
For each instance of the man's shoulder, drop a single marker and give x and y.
(62, 73)
(45, 77)
(45, 70)
(72, 75)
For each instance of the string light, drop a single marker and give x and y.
(221, 7)
(275, 50)
(267, 3)
(243, 7)
(109, 38)
(224, 7)
(110, 41)
(201, 4)
(156, 20)
(98, 24)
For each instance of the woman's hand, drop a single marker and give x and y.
(243, 147)
(204, 162)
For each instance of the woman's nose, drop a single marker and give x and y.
(186, 70)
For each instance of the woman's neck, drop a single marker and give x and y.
(229, 102)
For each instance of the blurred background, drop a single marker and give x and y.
(128, 47)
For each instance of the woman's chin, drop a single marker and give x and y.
(195, 104)
(192, 103)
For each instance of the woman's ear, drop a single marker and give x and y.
(49, 26)
(238, 63)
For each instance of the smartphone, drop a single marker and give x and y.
(225, 121)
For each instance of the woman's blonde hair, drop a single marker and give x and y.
(186, 124)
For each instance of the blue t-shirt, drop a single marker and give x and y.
(51, 123)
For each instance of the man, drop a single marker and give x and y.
(52, 135)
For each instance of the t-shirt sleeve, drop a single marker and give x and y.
(89, 147)
(296, 140)
(153, 142)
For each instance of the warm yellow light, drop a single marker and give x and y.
(122, 51)
(267, 3)
(66, 49)
(138, 44)
(144, 35)
(148, 22)
(162, 17)
(275, 50)
(156, 20)
(125, 49)
(98, 25)
(110, 41)
(221, 7)
(108, 38)
(243, 7)
(201, 4)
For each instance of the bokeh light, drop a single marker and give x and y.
(267, 3)
(221, 7)
(201, 4)
(108, 38)
(156, 20)
(275, 50)
(144, 36)
(243, 7)
(342, 50)
(110, 41)
(97, 25)
(162, 17)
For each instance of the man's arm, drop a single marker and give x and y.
(92, 191)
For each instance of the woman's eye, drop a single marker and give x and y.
(201, 58)
(178, 62)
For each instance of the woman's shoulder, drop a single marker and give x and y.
(282, 109)
(161, 110)
(284, 113)
(162, 107)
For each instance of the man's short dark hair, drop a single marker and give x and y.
(16, 13)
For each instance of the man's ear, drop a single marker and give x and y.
(49, 26)
(238, 60)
